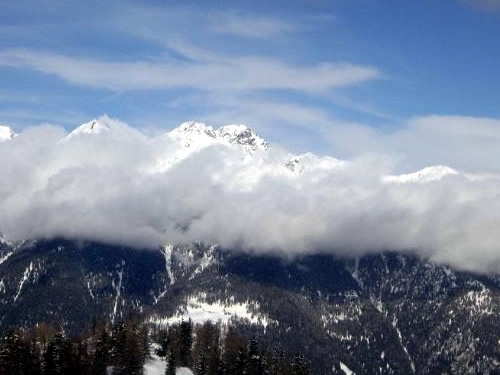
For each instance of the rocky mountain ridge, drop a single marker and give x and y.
(386, 314)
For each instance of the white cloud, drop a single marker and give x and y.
(249, 26)
(469, 143)
(102, 186)
(239, 73)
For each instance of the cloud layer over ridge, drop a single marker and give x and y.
(110, 182)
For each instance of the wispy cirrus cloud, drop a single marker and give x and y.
(238, 73)
(250, 26)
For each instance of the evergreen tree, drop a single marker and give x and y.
(164, 342)
(240, 362)
(279, 363)
(118, 348)
(222, 369)
(171, 364)
(201, 367)
(300, 366)
(11, 355)
(206, 351)
(234, 352)
(186, 332)
(253, 367)
(58, 355)
(134, 351)
(101, 354)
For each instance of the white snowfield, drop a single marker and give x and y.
(157, 366)
(199, 311)
(183, 371)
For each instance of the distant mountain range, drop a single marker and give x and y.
(191, 137)
(386, 313)
(383, 314)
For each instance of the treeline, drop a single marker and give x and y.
(210, 350)
(123, 348)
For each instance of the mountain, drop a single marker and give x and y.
(428, 174)
(197, 135)
(385, 314)
(6, 133)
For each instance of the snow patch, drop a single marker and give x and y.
(154, 365)
(26, 276)
(6, 256)
(198, 310)
(395, 325)
(118, 288)
(347, 370)
(207, 260)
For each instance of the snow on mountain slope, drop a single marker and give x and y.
(193, 134)
(192, 137)
(428, 174)
(199, 310)
(241, 135)
(91, 127)
(308, 161)
(199, 135)
(6, 133)
(104, 126)
(227, 186)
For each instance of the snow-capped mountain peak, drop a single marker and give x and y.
(94, 126)
(6, 133)
(428, 174)
(104, 126)
(194, 127)
(193, 133)
(242, 135)
(197, 135)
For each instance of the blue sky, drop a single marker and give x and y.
(330, 76)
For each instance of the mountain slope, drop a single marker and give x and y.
(392, 313)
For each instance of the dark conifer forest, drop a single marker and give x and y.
(122, 348)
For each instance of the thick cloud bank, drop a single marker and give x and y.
(108, 181)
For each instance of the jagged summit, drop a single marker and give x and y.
(104, 126)
(6, 133)
(194, 127)
(199, 134)
(242, 135)
(94, 126)
(193, 133)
